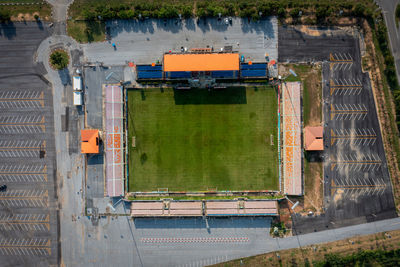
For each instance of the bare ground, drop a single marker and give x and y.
(300, 257)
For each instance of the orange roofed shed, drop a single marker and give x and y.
(314, 138)
(90, 141)
(201, 62)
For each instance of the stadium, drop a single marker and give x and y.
(200, 126)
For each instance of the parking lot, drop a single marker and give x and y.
(357, 186)
(28, 217)
(145, 41)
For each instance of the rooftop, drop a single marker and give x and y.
(201, 62)
(314, 138)
(90, 141)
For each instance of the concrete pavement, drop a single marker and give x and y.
(145, 41)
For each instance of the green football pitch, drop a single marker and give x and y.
(197, 140)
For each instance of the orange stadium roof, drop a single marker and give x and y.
(201, 62)
(90, 141)
(313, 138)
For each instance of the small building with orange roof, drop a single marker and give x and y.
(90, 141)
(313, 138)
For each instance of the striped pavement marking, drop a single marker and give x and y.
(23, 173)
(366, 162)
(23, 168)
(22, 144)
(23, 129)
(26, 153)
(20, 95)
(21, 104)
(348, 111)
(194, 239)
(356, 186)
(21, 148)
(25, 247)
(340, 57)
(21, 120)
(353, 136)
(24, 198)
(25, 222)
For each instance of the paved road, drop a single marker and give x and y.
(389, 8)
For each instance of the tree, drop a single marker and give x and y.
(5, 15)
(359, 10)
(295, 12)
(281, 12)
(59, 59)
(88, 14)
(126, 14)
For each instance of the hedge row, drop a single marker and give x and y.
(390, 69)
(241, 8)
(362, 258)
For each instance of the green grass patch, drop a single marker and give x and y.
(397, 16)
(86, 31)
(197, 140)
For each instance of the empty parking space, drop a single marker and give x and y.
(25, 247)
(27, 222)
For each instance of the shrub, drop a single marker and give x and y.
(294, 12)
(359, 10)
(281, 12)
(5, 15)
(126, 14)
(59, 59)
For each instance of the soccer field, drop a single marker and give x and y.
(195, 140)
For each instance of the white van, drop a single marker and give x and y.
(77, 83)
(78, 98)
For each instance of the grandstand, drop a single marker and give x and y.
(292, 173)
(199, 208)
(204, 65)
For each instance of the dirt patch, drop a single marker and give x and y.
(312, 90)
(21, 17)
(371, 63)
(306, 255)
(313, 193)
(309, 30)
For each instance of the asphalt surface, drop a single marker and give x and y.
(357, 185)
(389, 8)
(144, 42)
(28, 208)
(296, 46)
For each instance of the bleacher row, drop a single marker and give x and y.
(247, 71)
(149, 71)
(292, 174)
(211, 208)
